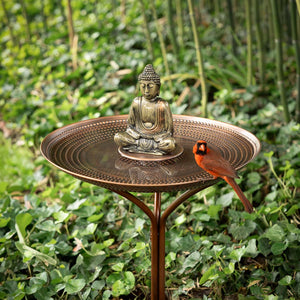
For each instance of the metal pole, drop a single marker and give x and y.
(154, 218)
(155, 250)
(162, 238)
(158, 228)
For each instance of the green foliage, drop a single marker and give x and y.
(64, 239)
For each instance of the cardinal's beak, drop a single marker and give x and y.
(202, 148)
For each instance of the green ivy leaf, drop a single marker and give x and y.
(60, 216)
(169, 258)
(275, 233)
(29, 253)
(139, 224)
(251, 249)
(237, 254)
(118, 267)
(22, 221)
(264, 246)
(112, 278)
(292, 210)
(226, 199)
(98, 285)
(286, 280)
(118, 288)
(193, 259)
(213, 211)
(180, 220)
(89, 229)
(95, 218)
(241, 232)
(229, 269)
(278, 247)
(209, 274)
(74, 286)
(4, 222)
(106, 295)
(48, 225)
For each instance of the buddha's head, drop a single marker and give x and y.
(149, 83)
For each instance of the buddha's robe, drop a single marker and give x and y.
(150, 127)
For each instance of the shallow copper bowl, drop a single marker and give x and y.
(86, 150)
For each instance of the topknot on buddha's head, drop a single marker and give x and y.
(149, 75)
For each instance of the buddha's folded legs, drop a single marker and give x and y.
(124, 139)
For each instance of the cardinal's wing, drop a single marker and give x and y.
(218, 166)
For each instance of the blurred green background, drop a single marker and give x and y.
(66, 61)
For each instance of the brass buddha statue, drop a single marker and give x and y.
(150, 123)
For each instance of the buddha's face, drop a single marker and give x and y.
(149, 89)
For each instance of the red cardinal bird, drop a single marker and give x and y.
(213, 162)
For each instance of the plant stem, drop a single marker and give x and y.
(172, 28)
(232, 26)
(298, 6)
(179, 22)
(147, 30)
(271, 39)
(73, 39)
(261, 57)
(281, 183)
(162, 44)
(297, 51)
(70, 23)
(6, 16)
(44, 15)
(25, 15)
(250, 80)
(279, 58)
(217, 7)
(123, 11)
(199, 60)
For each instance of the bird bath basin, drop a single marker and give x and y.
(86, 150)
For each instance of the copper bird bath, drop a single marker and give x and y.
(86, 150)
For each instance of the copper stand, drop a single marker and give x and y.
(86, 150)
(158, 228)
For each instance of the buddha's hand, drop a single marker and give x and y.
(160, 137)
(133, 133)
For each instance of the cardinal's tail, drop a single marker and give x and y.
(248, 206)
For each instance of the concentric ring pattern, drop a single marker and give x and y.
(86, 150)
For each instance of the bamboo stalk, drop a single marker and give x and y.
(217, 7)
(298, 6)
(11, 33)
(287, 18)
(73, 40)
(162, 44)
(279, 58)
(261, 56)
(232, 26)
(271, 39)
(179, 22)
(70, 23)
(171, 27)
(250, 78)
(25, 16)
(123, 11)
(199, 60)
(297, 52)
(44, 15)
(147, 30)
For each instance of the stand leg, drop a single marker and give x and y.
(162, 234)
(155, 248)
(158, 228)
(161, 262)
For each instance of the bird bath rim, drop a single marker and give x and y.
(73, 149)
